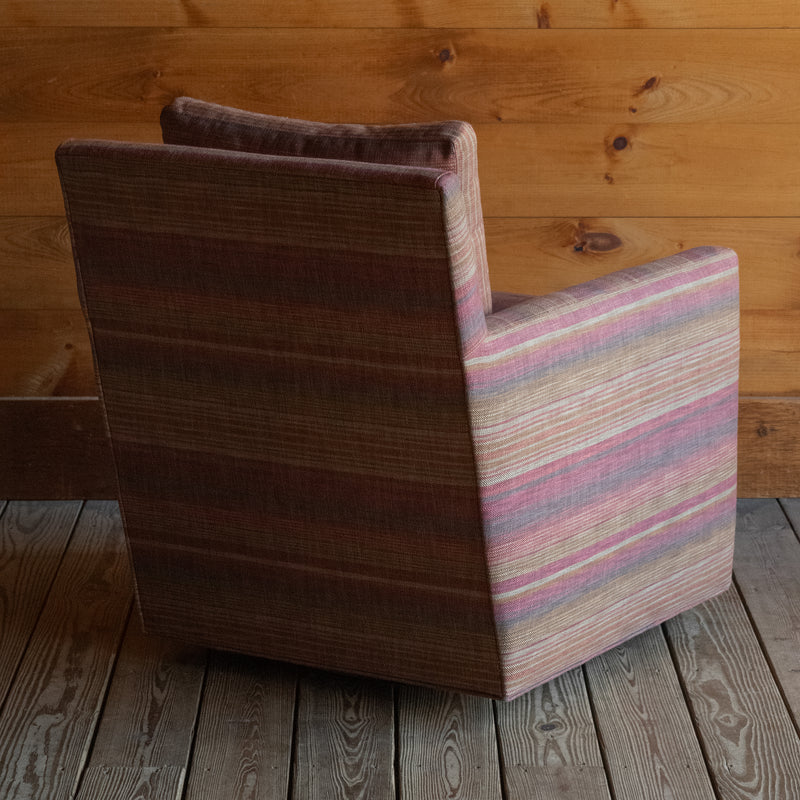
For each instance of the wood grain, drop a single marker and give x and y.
(28, 178)
(446, 746)
(769, 362)
(345, 739)
(244, 733)
(131, 783)
(45, 352)
(37, 263)
(750, 744)
(645, 728)
(769, 446)
(527, 170)
(680, 169)
(51, 711)
(150, 710)
(702, 102)
(791, 507)
(396, 13)
(548, 744)
(381, 74)
(767, 571)
(537, 255)
(33, 537)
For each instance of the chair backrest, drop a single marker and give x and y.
(450, 145)
(279, 345)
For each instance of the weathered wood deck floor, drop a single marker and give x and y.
(707, 706)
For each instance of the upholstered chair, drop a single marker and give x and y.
(335, 446)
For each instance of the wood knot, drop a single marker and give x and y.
(543, 16)
(616, 145)
(602, 242)
(547, 727)
(762, 431)
(596, 241)
(648, 86)
(445, 55)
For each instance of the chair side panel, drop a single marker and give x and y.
(280, 367)
(606, 445)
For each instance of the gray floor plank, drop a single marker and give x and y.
(745, 728)
(244, 733)
(650, 747)
(791, 507)
(133, 783)
(767, 571)
(345, 739)
(446, 746)
(33, 538)
(149, 714)
(52, 709)
(548, 744)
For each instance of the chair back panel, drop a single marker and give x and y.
(279, 346)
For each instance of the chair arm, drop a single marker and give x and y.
(559, 371)
(604, 424)
(691, 284)
(567, 370)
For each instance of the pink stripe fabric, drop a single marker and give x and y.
(604, 425)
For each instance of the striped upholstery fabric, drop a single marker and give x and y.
(329, 453)
(604, 420)
(450, 146)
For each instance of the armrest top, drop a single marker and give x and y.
(586, 303)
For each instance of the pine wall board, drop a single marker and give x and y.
(383, 74)
(580, 14)
(610, 133)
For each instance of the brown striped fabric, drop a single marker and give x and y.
(450, 146)
(279, 352)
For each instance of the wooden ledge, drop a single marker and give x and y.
(56, 448)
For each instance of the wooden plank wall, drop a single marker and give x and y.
(610, 132)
